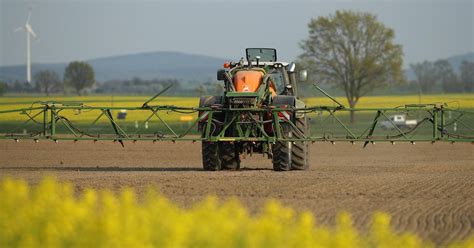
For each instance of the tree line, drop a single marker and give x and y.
(137, 85)
(440, 74)
(78, 77)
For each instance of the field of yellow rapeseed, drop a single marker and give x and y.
(87, 116)
(50, 214)
(465, 101)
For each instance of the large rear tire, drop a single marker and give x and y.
(210, 156)
(300, 148)
(229, 156)
(292, 155)
(210, 150)
(281, 151)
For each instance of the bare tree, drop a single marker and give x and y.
(201, 89)
(425, 75)
(3, 88)
(48, 82)
(218, 88)
(447, 77)
(354, 52)
(467, 76)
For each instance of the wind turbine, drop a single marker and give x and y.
(29, 31)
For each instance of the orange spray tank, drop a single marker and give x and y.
(249, 81)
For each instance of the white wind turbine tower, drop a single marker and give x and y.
(29, 31)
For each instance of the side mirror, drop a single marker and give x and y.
(303, 75)
(291, 67)
(221, 75)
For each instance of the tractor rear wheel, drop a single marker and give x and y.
(229, 156)
(291, 155)
(300, 148)
(281, 150)
(210, 156)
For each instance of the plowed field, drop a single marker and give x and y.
(428, 189)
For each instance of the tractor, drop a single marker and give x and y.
(258, 112)
(244, 120)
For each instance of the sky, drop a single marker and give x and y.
(85, 29)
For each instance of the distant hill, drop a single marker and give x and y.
(455, 62)
(18, 72)
(182, 66)
(161, 65)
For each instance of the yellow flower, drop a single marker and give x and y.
(50, 215)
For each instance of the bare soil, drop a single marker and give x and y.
(427, 188)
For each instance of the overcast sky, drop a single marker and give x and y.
(85, 29)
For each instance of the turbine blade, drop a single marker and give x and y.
(29, 16)
(33, 34)
(17, 29)
(30, 30)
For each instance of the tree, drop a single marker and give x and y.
(467, 76)
(79, 75)
(3, 88)
(21, 87)
(201, 89)
(354, 52)
(48, 82)
(218, 88)
(425, 75)
(447, 77)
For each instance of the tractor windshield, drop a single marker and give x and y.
(265, 54)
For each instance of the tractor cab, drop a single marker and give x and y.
(257, 79)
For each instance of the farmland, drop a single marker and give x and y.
(424, 189)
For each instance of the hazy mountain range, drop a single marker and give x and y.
(162, 65)
(151, 65)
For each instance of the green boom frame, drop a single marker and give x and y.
(249, 124)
